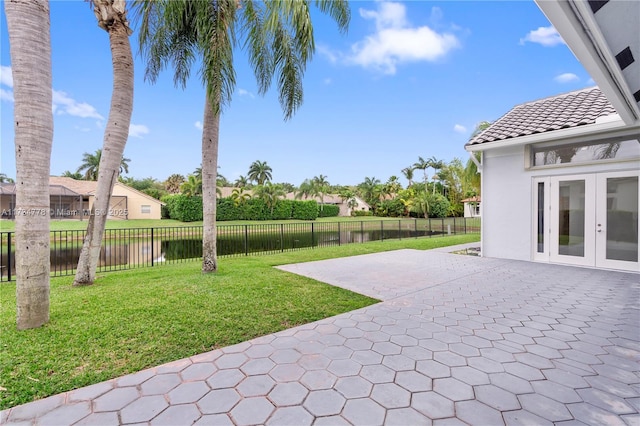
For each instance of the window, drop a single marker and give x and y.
(584, 152)
(145, 209)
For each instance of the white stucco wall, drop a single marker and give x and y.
(507, 210)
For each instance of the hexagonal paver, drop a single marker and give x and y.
(377, 373)
(386, 348)
(284, 394)
(297, 416)
(324, 402)
(523, 417)
(556, 391)
(185, 414)
(353, 387)
(234, 360)
(433, 369)
(544, 407)
(606, 401)
(337, 352)
(198, 371)
(475, 412)
(367, 357)
(116, 399)
(453, 389)
(188, 392)
(214, 419)
(523, 371)
(413, 381)
(496, 397)
(363, 412)
(390, 395)
(314, 362)
(331, 421)
(359, 344)
(143, 409)
(135, 379)
(109, 418)
(218, 401)
(256, 386)
(449, 358)
(470, 375)
(510, 383)
(399, 362)
(592, 415)
(344, 367)
(318, 379)
(173, 367)
(432, 405)
(404, 417)
(258, 366)
(225, 379)
(89, 393)
(252, 411)
(66, 414)
(286, 372)
(259, 351)
(285, 356)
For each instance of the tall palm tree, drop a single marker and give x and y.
(112, 17)
(91, 165)
(305, 190)
(260, 172)
(408, 174)
(173, 183)
(30, 50)
(192, 186)
(370, 190)
(423, 165)
(241, 182)
(279, 40)
(321, 185)
(437, 166)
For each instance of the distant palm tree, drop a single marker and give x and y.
(260, 172)
(423, 165)
(436, 165)
(269, 193)
(370, 190)
(241, 182)
(306, 190)
(91, 165)
(239, 196)
(321, 185)
(408, 174)
(72, 175)
(192, 186)
(4, 178)
(173, 183)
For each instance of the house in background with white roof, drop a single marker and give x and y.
(560, 175)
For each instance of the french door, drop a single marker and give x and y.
(589, 220)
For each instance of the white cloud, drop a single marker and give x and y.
(396, 41)
(243, 92)
(6, 95)
(567, 77)
(6, 78)
(459, 128)
(63, 104)
(198, 125)
(138, 130)
(546, 36)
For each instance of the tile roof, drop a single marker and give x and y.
(546, 115)
(84, 187)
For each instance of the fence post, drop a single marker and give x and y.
(454, 226)
(246, 240)
(362, 231)
(381, 230)
(9, 256)
(152, 254)
(312, 236)
(339, 235)
(282, 237)
(465, 225)
(399, 229)
(430, 229)
(442, 225)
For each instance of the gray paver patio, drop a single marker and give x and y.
(457, 340)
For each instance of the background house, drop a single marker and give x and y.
(472, 206)
(73, 199)
(560, 175)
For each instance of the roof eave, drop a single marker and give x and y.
(582, 34)
(585, 133)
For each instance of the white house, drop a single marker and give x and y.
(560, 175)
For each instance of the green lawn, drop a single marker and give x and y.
(136, 319)
(72, 225)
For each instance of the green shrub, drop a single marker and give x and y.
(255, 209)
(438, 206)
(304, 210)
(227, 210)
(282, 210)
(390, 208)
(358, 213)
(328, 210)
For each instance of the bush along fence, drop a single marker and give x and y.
(146, 247)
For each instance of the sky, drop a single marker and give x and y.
(409, 79)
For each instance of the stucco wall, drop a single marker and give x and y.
(135, 201)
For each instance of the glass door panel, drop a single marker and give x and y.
(571, 214)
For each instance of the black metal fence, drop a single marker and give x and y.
(145, 247)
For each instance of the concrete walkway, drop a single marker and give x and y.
(457, 339)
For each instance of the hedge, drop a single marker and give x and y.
(184, 208)
(328, 210)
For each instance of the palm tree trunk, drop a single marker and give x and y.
(115, 139)
(210, 135)
(29, 36)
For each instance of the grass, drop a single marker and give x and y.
(136, 319)
(73, 225)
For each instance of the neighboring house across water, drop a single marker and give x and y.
(472, 206)
(560, 175)
(73, 199)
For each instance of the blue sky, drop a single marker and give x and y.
(409, 79)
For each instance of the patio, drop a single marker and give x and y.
(457, 339)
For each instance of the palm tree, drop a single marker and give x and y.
(423, 165)
(30, 50)
(279, 41)
(436, 165)
(307, 189)
(91, 165)
(241, 182)
(269, 193)
(192, 186)
(260, 172)
(392, 186)
(72, 175)
(370, 191)
(112, 17)
(421, 204)
(408, 174)
(4, 178)
(173, 183)
(321, 185)
(239, 196)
